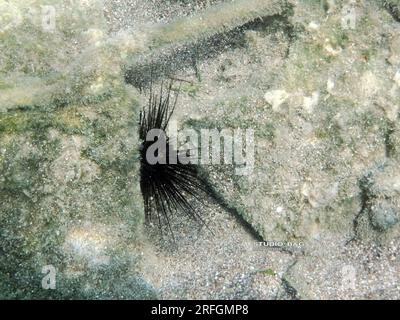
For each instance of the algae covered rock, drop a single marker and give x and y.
(315, 86)
(70, 201)
(323, 121)
(69, 165)
(70, 196)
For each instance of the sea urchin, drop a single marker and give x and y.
(167, 183)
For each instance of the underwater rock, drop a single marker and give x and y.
(321, 98)
(384, 215)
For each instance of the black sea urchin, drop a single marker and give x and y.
(166, 184)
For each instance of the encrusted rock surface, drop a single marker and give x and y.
(317, 81)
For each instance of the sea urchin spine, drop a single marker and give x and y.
(167, 183)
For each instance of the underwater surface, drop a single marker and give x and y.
(199, 149)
